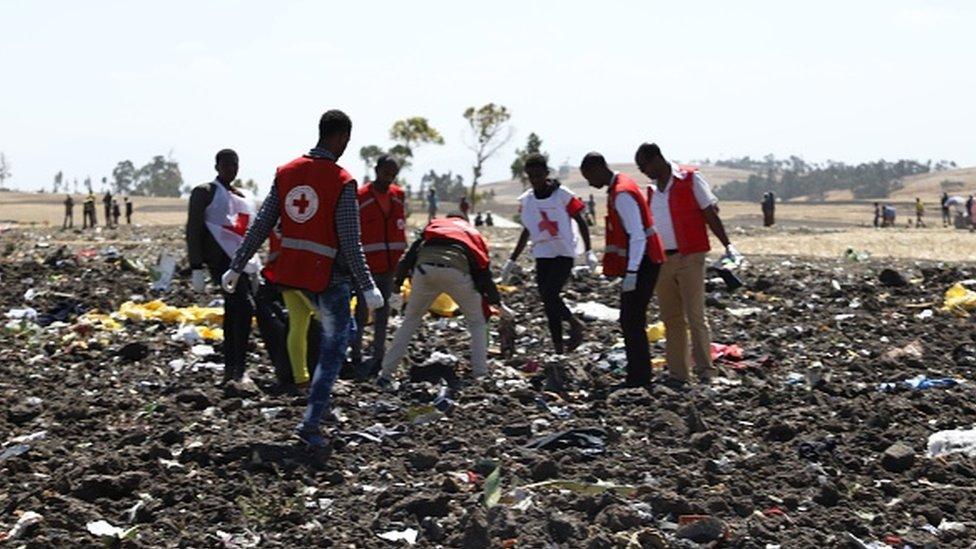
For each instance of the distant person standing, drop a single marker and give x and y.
(946, 217)
(88, 212)
(116, 212)
(489, 220)
(107, 202)
(766, 211)
(919, 213)
(464, 206)
(431, 204)
(971, 211)
(877, 215)
(684, 209)
(128, 211)
(69, 212)
(888, 215)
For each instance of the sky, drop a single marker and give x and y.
(84, 85)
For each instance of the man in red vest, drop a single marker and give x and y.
(452, 258)
(633, 251)
(320, 254)
(383, 221)
(684, 208)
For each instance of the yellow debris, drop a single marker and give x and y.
(101, 321)
(212, 334)
(157, 310)
(442, 306)
(506, 289)
(959, 300)
(655, 332)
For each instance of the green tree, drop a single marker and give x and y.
(58, 181)
(5, 172)
(490, 131)
(410, 133)
(449, 187)
(160, 177)
(533, 145)
(88, 184)
(124, 177)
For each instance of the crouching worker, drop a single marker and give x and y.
(451, 257)
(321, 253)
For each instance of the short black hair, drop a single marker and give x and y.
(387, 159)
(649, 151)
(334, 122)
(536, 160)
(224, 153)
(593, 160)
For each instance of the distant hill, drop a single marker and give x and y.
(927, 186)
(508, 191)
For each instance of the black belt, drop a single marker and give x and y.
(670, 252)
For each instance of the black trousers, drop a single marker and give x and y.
(238, 312)
(633, 323)
(551, 274)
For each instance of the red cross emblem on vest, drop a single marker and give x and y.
(301, 203)
(548, 225)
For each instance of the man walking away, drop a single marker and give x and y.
(464, 206)
(633, 251)
(877, 215)
(89, 212)
(547, 212)
(115, 213)
(684, 208)
(382, 225)
(315, 200)
(69, 212)
(128, 211)
(451, 257)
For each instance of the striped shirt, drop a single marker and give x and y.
(350, 261)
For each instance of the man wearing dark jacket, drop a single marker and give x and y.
(451, 258)
(218, 217)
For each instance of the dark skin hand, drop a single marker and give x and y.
(539, 178)
(659, 170)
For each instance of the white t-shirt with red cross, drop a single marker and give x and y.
(550, 223)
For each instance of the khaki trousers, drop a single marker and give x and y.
(681, 297)
(427, 283)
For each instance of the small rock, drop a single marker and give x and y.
(705, 530)
(517, 430)
(133, 352)
(422, 460)
(898, 458)
(560, 528)
(892, 278)
(703, 441)
(780, 432)
(198, 399)
(544, 469)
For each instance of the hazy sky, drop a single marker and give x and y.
(86, 84)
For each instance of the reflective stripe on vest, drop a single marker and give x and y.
(382, 247)
(308, 246)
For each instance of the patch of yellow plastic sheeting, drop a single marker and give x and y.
(506, 289)
(959, 300)
(442, 306)
(158, 310)
(655, 332)
(208, 333)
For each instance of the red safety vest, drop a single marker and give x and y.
(274, 250)
(383, 234)
(690, 229)
(308, 192)
(453, 228)
(617, 240)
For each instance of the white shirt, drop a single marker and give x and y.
(551, 228)
(661, 209)
(630, 216)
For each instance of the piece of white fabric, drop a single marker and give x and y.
(661, 209)
(227, 218)
(551, 229)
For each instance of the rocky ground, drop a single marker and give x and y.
(810, 440)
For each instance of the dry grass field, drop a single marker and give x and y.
(803, 229)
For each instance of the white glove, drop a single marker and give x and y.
(592, 261)
(630, 282)
(198, 280)
(229, 281)
(732, 254)
(374, 299)
(507, 270)
(506, 312)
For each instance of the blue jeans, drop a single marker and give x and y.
(334, 314)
